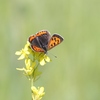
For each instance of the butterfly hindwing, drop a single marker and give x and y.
(35, 48)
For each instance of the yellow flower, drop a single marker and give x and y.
(37, 93)
(24, 52)
(32, 61)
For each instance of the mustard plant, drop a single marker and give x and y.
(33, 60)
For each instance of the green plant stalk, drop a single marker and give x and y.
(33, 97)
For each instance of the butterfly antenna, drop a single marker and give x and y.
(53, 55)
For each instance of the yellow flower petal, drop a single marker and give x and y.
(21, 57)
(34, 90)
(42, 62)
(28, 62)
(47, 59)
(38, 92)
(41, 91)
(21, 69)
(18, 53)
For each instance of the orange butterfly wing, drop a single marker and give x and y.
(31, 38)
(42, 32)
(54, 41)
(37, 49)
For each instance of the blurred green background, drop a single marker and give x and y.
(75, 74)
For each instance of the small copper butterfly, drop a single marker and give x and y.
(43, 41)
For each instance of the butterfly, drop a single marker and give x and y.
(42, 41)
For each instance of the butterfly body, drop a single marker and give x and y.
(43, 41)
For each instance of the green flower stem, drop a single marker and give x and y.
(33, 97)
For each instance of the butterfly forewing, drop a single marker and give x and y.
(40, 33)
(54, 41)
(44, 38)
(31, 38)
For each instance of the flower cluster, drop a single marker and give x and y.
(37, 93)
(32, 61)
